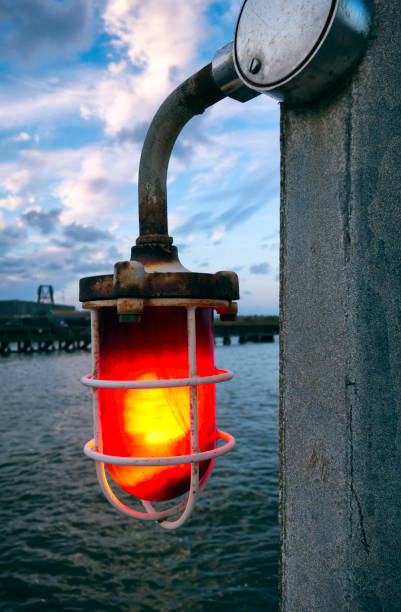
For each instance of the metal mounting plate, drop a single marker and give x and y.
(280, 34)
(294, 50)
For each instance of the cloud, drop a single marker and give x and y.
(17, 181)
(123, 96)
(30, 29)
(272, 246)
(216, 237)
(157, 44)
(9, 236)
(191, 137)
(247, 199)
(43, 221)
(11, 202)
(87, 182)
(26, 101)
(234, 175)
(135, 134)
(181, 246)
(22, 137)
(84, 259)
(272, 236)
(46, 263)
(232, 10)
(94, 187)
(155, 35)
(12, 266)
(85, 233)
(261, 268)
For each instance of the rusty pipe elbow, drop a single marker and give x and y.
(190, 98)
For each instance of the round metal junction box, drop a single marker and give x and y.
(294, 50)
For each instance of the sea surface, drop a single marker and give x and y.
(64, 548)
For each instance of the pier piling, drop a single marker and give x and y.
(340, 363)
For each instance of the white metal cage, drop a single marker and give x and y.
(196, 483)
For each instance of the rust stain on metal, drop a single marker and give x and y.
(222, 285)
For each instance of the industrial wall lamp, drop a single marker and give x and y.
(153, 370)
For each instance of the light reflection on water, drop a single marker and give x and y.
(64, 548)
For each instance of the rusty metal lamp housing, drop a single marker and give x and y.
(152, 342)
(153, 372)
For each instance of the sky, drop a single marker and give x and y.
(80, 83)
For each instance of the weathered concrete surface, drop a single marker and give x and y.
(340, 410)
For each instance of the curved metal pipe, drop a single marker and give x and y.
(190, 98)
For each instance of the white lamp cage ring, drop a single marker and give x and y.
(194, 458)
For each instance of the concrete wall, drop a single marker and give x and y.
(340, 409)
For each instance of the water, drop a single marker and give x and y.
(64, 548)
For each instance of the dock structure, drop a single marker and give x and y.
(42, 326)
(26, 308)
(247, 331)
(28, 336)
(63, 331)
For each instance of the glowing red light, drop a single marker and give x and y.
(154, 422)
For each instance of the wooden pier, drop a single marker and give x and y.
(41, 335)
(248, 329)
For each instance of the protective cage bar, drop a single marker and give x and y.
(196, 484)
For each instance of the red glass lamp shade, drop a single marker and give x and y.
(154, 422)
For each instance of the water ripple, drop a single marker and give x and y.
(64, 548)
